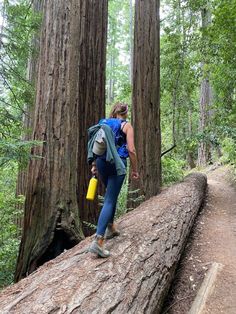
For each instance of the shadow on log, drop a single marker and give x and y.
(134, 279)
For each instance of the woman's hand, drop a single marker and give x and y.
(94, 169)
(135, 175)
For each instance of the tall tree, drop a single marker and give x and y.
(179, 82)
(131, 30)
(70, 96)
(146, 95)
(223, 76)
(206, 92)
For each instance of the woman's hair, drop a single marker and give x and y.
(118, 108)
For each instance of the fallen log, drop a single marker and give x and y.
(134, 279)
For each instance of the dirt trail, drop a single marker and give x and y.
(221, 233)
(213, 240)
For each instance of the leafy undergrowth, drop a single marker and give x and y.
(9, 231)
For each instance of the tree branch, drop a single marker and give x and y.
(168, 150)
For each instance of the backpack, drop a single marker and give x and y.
(99, 147)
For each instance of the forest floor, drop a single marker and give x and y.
(213, 239)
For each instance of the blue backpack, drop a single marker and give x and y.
(115, 125)
(99, 147)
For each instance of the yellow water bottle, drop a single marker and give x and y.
(92, 188)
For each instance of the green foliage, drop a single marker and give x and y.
(125, 94)
(9, 231)
(172, 170)
(179, 77)
(18, 151)
(20, 24)
(118, 51)
(190, 53)
(191, 143)
(229, 151)
(223, 50)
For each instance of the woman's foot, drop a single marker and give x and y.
(111, 231)
(97, 247)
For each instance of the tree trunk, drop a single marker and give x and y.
(70, 96)
(205, 98)
(134, 279)
(190, 154)
(203, 149)
(131, 32)
(88, 80)
(146, 96)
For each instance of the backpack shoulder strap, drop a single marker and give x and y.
(123, 123)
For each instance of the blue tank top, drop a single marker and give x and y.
(119, 135)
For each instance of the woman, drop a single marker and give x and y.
(124, 135)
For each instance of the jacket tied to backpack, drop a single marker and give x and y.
(112, 155)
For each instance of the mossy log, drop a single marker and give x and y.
(137, 275)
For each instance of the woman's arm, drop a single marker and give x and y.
(129, 131)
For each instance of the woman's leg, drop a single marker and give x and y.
(114, 209)
(114, 184)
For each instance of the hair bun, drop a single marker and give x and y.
(124, 108)
(118, 108)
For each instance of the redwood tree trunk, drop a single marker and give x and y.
(146, 96)
(131, 31)
(137, 275)
(190, 154)
(70, 96)
(203, 148)
(87, 89)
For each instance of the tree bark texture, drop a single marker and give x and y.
(131, 34)
(87, 89)
(137, 275)
(146, 96)
(70, 96)
(203, 148)
(190, 155)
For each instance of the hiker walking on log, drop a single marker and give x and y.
(112, 174)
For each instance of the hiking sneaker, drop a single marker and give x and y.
(111, 232)
(97, 247)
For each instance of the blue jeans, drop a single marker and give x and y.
(113, 184)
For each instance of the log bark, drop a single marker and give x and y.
(134, 279)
